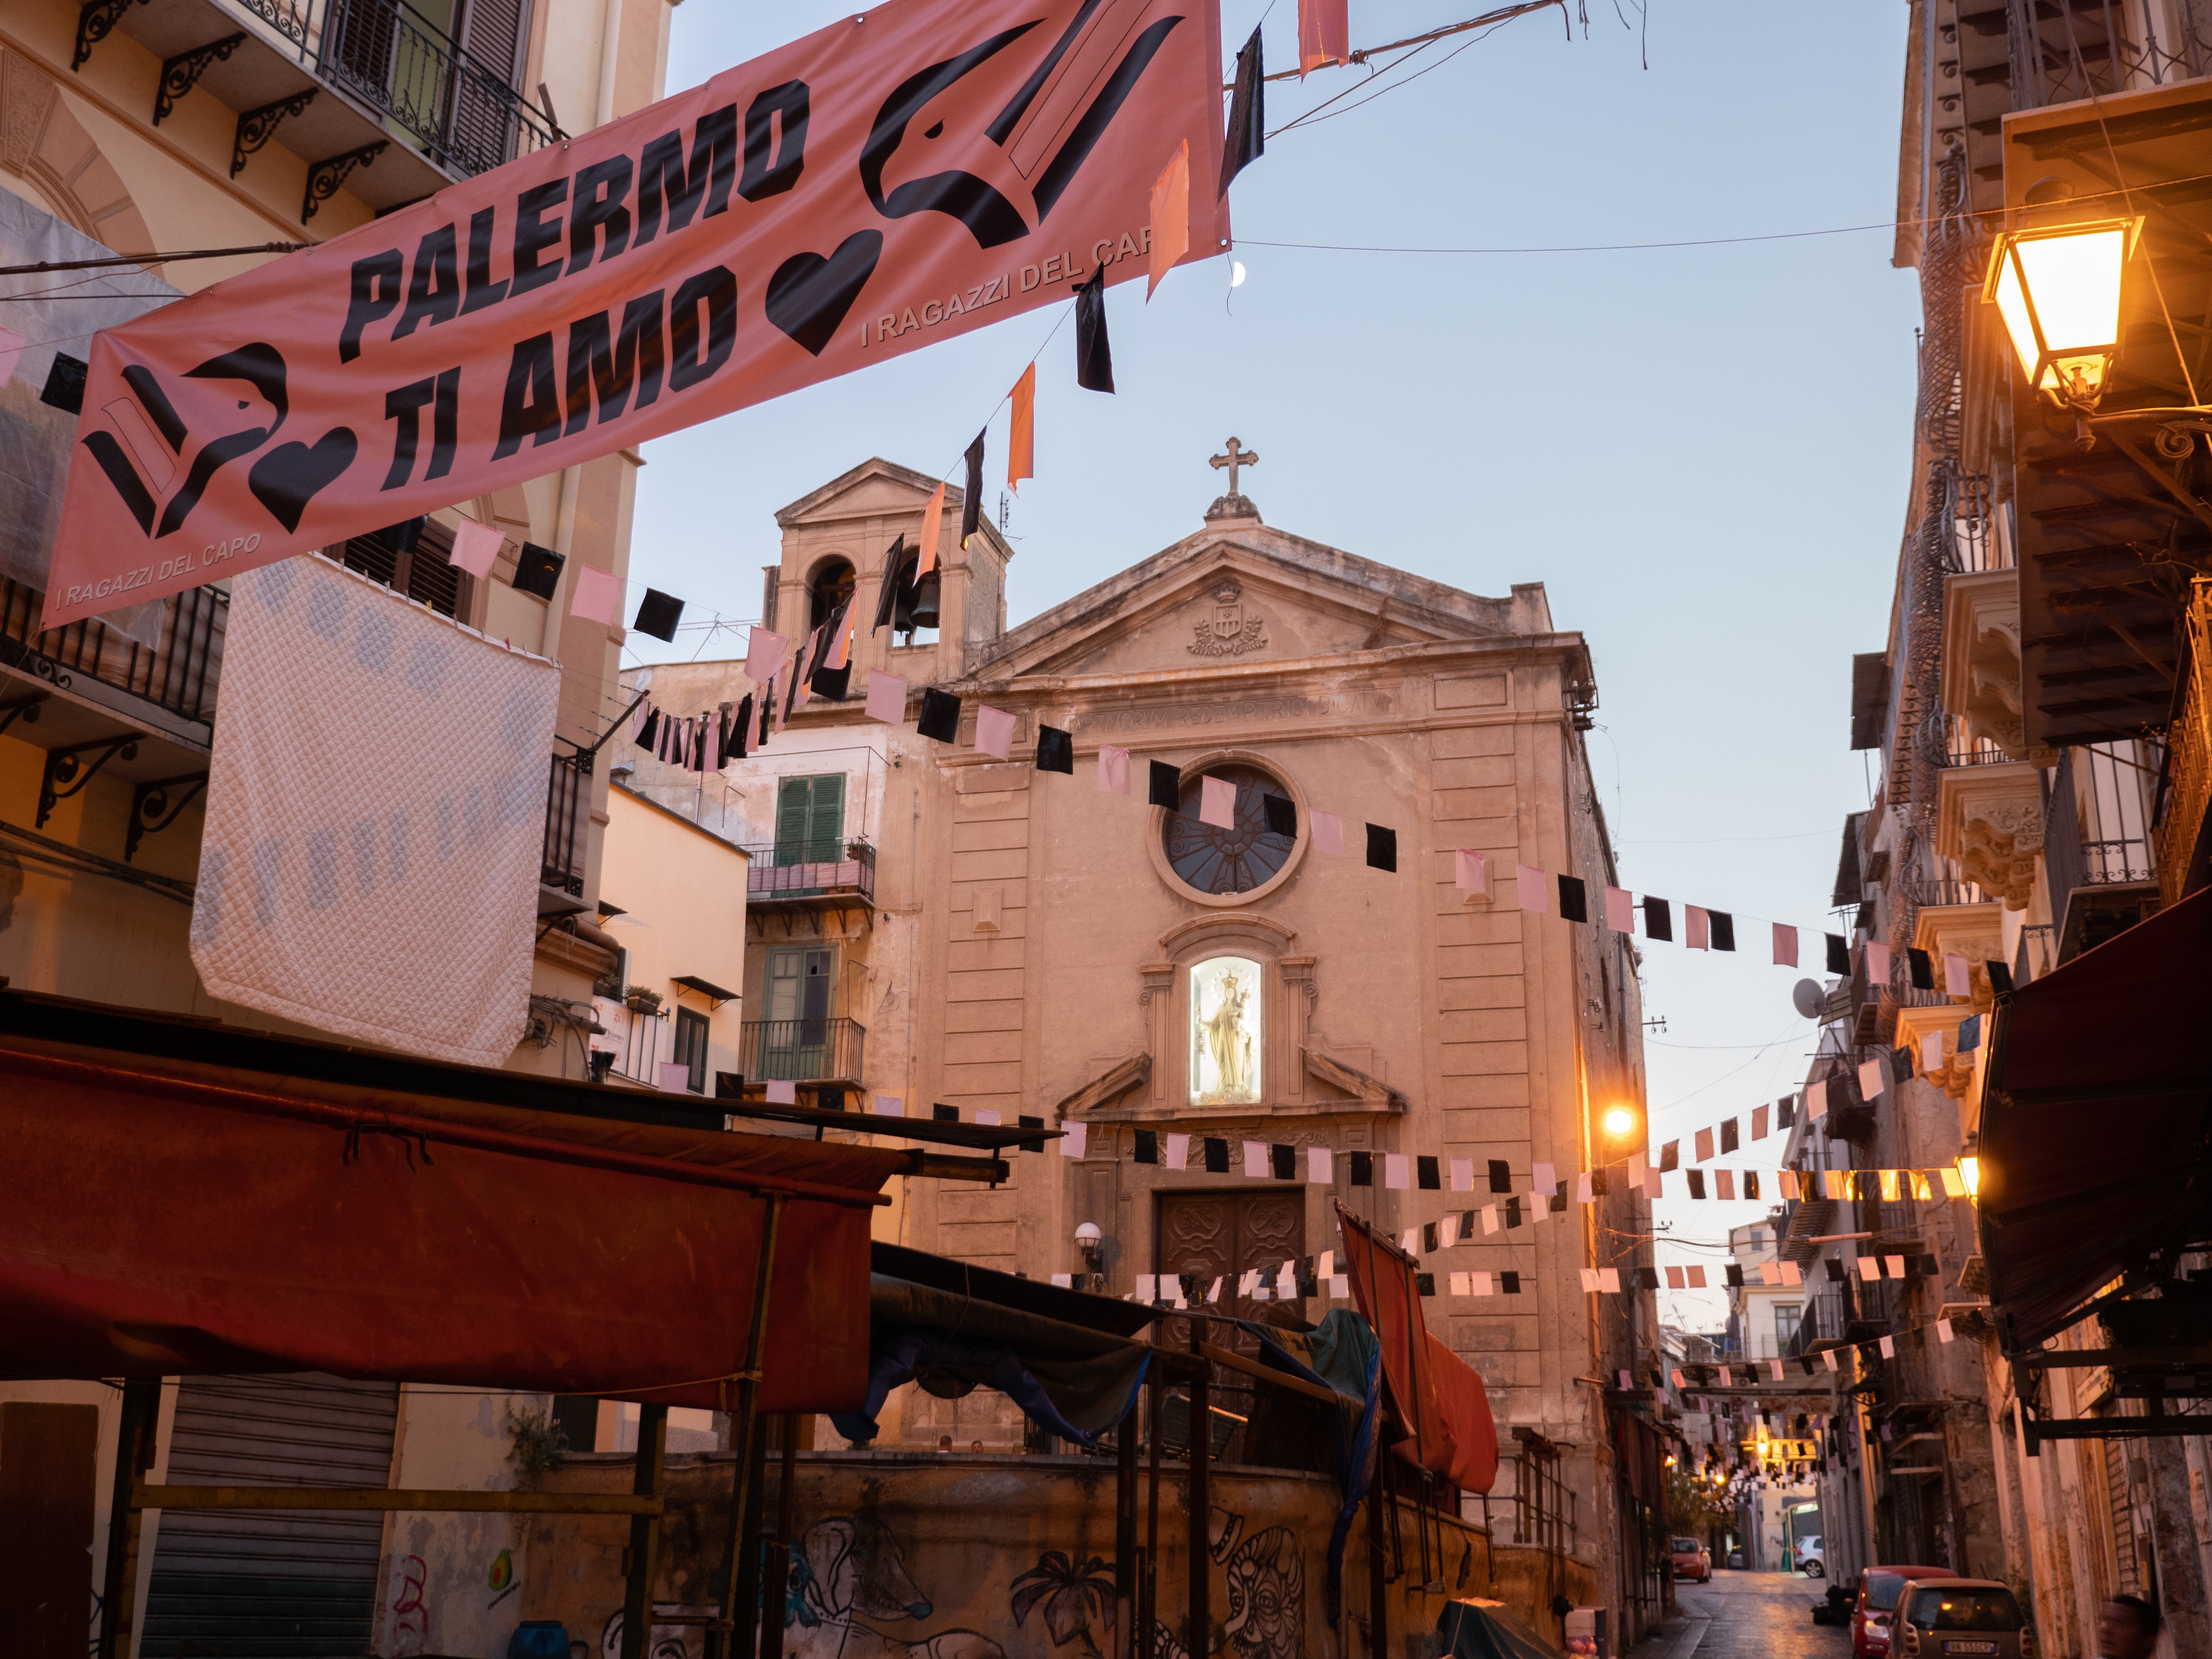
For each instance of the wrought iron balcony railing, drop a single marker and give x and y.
(567, 822)
(801, 1050)
(435, 94)
(2189, 755)
(178, 674)
(834, 868)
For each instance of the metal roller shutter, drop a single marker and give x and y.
(279, 1585)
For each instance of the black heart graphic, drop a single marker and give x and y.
(809, 295)
(291, 474)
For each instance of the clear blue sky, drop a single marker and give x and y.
(1702, 452)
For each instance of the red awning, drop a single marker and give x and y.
(2096, 1127)
(160, 1217)
(1439, 1399)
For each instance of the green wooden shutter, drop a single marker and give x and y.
(792, 800)
(826, 831)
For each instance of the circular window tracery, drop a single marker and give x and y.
(1235, 860)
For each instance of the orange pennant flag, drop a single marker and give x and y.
(1021, 441)
(1171, 216)
(1324, 35)
(933, 514)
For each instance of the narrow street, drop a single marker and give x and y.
(1757, 1615)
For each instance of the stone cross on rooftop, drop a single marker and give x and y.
(1238, 457)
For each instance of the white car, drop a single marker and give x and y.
(1811, 1560)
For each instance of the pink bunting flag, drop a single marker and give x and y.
(887, 697)
(1321, 1168)
(1877, 963)
(1073, 1139)
(1725, 1185)
(1816, 1098)
(1590, 1280)
(995, 730)
(1696, 1276)
(1470, 871)
(1958, 982)
(1889, 1347)
(1113, 769)
(1695, 931)
(673, 1075)
(1328, 832)
(1324, 35)
(1397, 1171)
(1463, 1175)
(1619, 910)
(782, 1094)
(1217, 802)
(1785, 946)
(1675, 1282)
(1608, 1281)
(598, 596)
(1792, 1274)
(1758, 1122)
(1178, 1151)
(1256, 1160)
(1535, 888)
(764, 654)
(1704, 1142)
(933, 522)
(1871, 1079)
(1171, 216)
(1894, 1265)
(1931, 1052)
(475, 547)
(1943, 1331)
(1828, 1357)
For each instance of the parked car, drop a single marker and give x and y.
(1692, 1560)
(1961, 1618)
(1812, 1560)
(1735, 1559)
(1879, 1589)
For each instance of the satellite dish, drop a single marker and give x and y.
(1810, 999)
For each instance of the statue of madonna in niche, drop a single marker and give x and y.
(1224, 1032)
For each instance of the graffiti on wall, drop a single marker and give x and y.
(1266, 1596)
(1076, 1596)
(407, 1627)
(848, 1574)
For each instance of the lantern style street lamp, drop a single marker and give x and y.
(2057, 287)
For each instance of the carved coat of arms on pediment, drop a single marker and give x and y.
(1227, 631)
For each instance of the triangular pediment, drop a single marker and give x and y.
(875, 489)
(1247, 595)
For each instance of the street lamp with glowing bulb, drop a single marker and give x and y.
(1618, 1121)
(1969, 1172)
(2057, 287)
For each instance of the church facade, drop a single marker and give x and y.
(1030, 944)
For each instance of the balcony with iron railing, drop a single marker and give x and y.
(177, 674)
(827, 871)
(342, 80)
(2178, 837)
(827, 1050)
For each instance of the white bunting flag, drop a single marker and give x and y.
(1770, 1273)
(1463, 1175)
(1448, 1232)
(1675, 1282)
(1471, 872)
(1214, 1291)
(1065, 1281)
(1954, 1184)
(1256, 1160)
(1321, 1168)
(1217, 803)
(1697, 1278)
(1889, 1347)
(674, 1075)
(1943, 1331)
(1871, 1078)
(995, 732)
(1894, 1265)
(764, 654)
(783, 1094)
(1585, 1188)
(1545, 1179)
(888, 1106)
(1178, 1151)
(1397, 1171)
(1328, 832)
(1326, 1267)
(1590, 1280)
(1727, 1382)
(1608, 1281)
(1072, 1139)
(1958, 982)
(1339, 1286)
(985, 1115)
(1931, 1052)
(1774, 1369)
(1489, 1217)
(1113, 769)
(1459, 1285)
(1286, 1281)
(1828, 1357)
(1147, 1288)
(1483, 1282)
(1877, 963)
(1410, 1241)
(1869, 1268)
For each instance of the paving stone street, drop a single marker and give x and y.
(1753, 1615)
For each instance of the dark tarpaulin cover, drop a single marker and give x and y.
(1073, 1381)
(1439, 1398)
(1474, 1629)
(160, 1217)
(1341, 1355)
(2096, 1118)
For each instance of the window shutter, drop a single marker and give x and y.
(491, 33)
(791, 801)
(826, 830)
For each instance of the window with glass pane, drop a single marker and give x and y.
(1787, 1315)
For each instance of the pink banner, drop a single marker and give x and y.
(896, 178)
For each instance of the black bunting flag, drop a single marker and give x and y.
(1094, 357)
(1055, 750)
(1248, 114)
(1165, 786)
(971, 493)
(1658, 918)
(887, 592)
